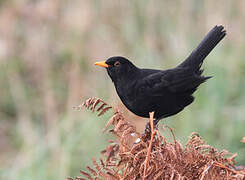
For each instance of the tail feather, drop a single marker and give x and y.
(195, 60)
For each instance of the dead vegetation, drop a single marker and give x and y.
(151, 156)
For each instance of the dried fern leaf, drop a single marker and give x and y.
(92, 104)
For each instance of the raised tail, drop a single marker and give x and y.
(195, 60)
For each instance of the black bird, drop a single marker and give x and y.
(166, 92)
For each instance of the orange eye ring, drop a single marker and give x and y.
(117, 63)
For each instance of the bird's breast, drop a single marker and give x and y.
(127, 94)
(131, 99)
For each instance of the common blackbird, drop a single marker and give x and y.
(166, 92)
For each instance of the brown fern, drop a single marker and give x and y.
(93, 103)
(154, 157)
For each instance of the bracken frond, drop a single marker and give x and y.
(93, 103)
(152, 156)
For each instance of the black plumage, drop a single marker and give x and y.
(166, 92)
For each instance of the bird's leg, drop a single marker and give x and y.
(148, 127)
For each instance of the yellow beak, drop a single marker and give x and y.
(102, 64)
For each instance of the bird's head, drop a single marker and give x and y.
(118, 67)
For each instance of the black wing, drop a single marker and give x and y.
(177, 80)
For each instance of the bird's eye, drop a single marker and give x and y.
(117, 63)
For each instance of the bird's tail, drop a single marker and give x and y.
(195, 60)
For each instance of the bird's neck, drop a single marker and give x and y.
(128, 76)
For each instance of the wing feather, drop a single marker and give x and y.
(172, 81)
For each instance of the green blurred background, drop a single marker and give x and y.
(47, 51)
